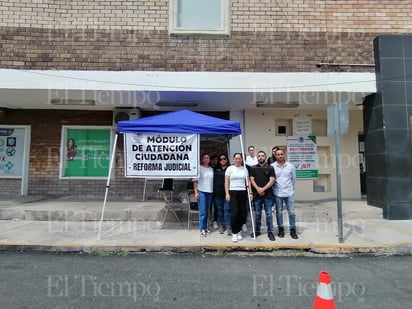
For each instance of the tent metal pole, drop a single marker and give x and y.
(108, 184)
(248, 187)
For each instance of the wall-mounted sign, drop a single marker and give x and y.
(12, 152)
(302, 125)
(303, 154)
(87, 153)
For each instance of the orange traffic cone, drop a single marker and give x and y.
(324, 295)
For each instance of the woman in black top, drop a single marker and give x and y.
(272, 158)
(222, 206)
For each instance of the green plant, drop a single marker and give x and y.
(122, 253)
(96, 252)
(219, 252)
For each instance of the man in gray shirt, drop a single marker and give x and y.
(284, 191)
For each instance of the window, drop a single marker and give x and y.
(85, 152)
(283, 127)
(199, 17)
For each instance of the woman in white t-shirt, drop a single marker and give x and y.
(203, 187)
(237, 194)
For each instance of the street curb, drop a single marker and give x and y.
(218, 249)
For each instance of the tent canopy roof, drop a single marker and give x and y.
(182, 121)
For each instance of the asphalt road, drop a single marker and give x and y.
(36, 280)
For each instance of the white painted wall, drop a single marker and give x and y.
(235, 144)
(260, 131)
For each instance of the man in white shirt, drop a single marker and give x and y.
(251, 159)
(284, 191)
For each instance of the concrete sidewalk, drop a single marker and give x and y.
(68, 224)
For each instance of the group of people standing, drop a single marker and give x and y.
(267, 182)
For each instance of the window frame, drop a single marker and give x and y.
(176, 31)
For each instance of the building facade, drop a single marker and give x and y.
(70, 67)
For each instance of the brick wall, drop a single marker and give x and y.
(266, 36)
(10, 187)
(44, 157)
(44, 160)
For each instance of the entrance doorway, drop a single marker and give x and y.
(213, 148)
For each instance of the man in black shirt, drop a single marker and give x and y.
(262, 177)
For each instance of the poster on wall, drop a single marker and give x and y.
(303, 154)
(87, 153)
(161, 155)
(11, 152)
(302, 125)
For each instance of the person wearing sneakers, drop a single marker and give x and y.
(262, 177)
(284, 191)
(222, 206)
(237, 194)
(203, 188)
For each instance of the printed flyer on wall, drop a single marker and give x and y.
(87, 153)
(303, 154)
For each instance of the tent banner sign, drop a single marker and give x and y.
(303, 154)
(161, 155)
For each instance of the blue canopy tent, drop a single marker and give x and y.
(182, 121)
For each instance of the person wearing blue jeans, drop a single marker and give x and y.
(284, 191)
(222, 206)
(223, 215)
(289, 202)
(203, 188)
(262, 177)
(204, 202)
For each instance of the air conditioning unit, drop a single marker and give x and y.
(125, 114)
